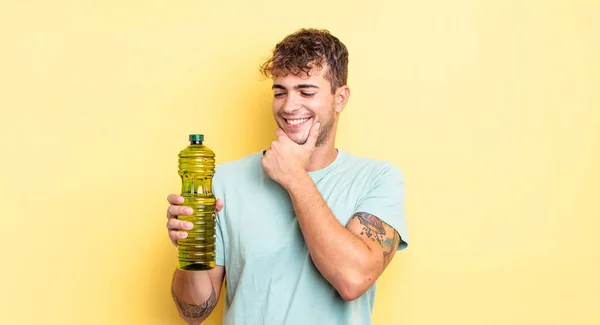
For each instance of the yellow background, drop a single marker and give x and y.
(490, 108)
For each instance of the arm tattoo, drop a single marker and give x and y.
(196, 311)
(375, 229)
(372, 226)
(390, 245)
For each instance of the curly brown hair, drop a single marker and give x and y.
(307, 48)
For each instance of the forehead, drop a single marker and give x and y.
(315, 76)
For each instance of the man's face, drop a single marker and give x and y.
(301, 101)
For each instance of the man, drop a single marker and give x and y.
(303, 229)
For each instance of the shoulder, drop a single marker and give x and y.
(371, 168)
(234, 169)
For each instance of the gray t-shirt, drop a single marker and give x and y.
(270, 277)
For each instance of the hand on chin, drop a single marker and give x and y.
(288, 157)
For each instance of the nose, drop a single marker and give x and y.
(291, 104)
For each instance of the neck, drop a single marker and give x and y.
(322, 156)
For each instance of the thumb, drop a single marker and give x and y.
(313, 134)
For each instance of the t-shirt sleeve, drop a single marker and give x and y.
(219, 244)
(386, 200)
(220, 228)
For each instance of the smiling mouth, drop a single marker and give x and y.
(297, 121)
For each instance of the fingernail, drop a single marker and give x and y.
(189, 225)
(189, 211)
(183, 234)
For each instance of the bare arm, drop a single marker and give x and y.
(351, 258)
(196, 293)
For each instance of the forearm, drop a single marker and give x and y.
(343, 258)
(194, 295)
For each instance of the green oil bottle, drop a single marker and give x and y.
(196, 169)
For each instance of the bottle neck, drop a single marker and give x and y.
(195, 142)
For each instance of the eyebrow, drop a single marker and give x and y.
(300, 86)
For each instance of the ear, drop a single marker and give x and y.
(341, 98)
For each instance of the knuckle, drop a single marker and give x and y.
(171, 224)
(177, 211)
(177, 234)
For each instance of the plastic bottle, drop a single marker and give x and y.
(196, 169)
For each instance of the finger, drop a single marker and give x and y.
(282, 137)
(280, 133)
(219, 205)
(175, 210)
(313, 135)
(269, 152)
(174, 235)
(175, 199)
(263, 161)
(175, 224)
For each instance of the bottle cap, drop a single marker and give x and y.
(196, 137)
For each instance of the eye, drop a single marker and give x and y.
(307, 94)
(279, 95)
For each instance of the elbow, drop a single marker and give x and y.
(356, 281)
(354, 286)
(350, 295)
(190, 321)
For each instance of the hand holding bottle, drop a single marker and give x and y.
(177, 228)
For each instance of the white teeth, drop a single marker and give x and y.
(298, 121)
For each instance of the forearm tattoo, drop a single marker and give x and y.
(196, 311)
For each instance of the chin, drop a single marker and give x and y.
(298, 136)
(299, 140)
